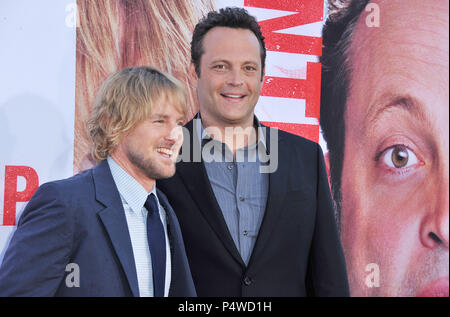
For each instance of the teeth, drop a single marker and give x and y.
(232, 96)
(165, 151)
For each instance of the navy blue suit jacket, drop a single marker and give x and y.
(81, 220)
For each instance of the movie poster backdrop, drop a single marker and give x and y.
(54, 57)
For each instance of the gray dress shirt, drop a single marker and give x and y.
(240, 188)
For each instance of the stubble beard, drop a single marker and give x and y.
(149, 167)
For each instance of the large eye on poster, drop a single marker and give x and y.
(384, 114)
(367, 80)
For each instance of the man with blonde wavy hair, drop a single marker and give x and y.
(108, 231)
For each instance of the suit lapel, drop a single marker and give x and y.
(113, 218)
(173, 241)
(276, 194)
(195, 178)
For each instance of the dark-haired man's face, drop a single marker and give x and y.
(229, 84)
(395, 179)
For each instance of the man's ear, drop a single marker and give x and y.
(193, 75)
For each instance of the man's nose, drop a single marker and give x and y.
(434, 228)
(235, 78)
(174, 133)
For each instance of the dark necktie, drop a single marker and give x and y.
(157, 243)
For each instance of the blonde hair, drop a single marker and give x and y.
(116, 34)
(127, 98)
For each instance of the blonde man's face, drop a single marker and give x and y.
(150, 150)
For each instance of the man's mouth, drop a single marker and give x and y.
(165, 152)
(233, 97)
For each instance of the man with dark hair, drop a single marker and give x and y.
(384, 114)
(252, 227)
(336, 39)
(232, 18)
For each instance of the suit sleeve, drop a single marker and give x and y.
(327, 272)
(35, 261)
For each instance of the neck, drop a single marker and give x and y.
(134, 171)
(234, 135)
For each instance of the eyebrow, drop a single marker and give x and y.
(159, 115)
(386, 103)
(227, 62)
(165, 116)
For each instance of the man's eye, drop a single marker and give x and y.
(399, 156)
(220, 66)
(250, 68)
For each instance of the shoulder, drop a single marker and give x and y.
(296, 139)
(291, 141)
(81, 182)
(65, 193)
(60, 200)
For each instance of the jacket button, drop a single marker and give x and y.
(247, 281)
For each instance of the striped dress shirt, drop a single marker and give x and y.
(240, 188)
(133, 197)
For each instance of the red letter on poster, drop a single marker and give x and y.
(308, 89)
(309, 11)
(12, 196)
(304, 12)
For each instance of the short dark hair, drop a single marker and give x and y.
(232, 17)
(337, 34)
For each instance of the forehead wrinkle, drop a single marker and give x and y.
(408, 29)
(370, 47)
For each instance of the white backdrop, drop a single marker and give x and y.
(37, 93)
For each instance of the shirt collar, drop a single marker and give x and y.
(202, 134)
(129, 188)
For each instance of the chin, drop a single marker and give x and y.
(166, 173)
(158, 171)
